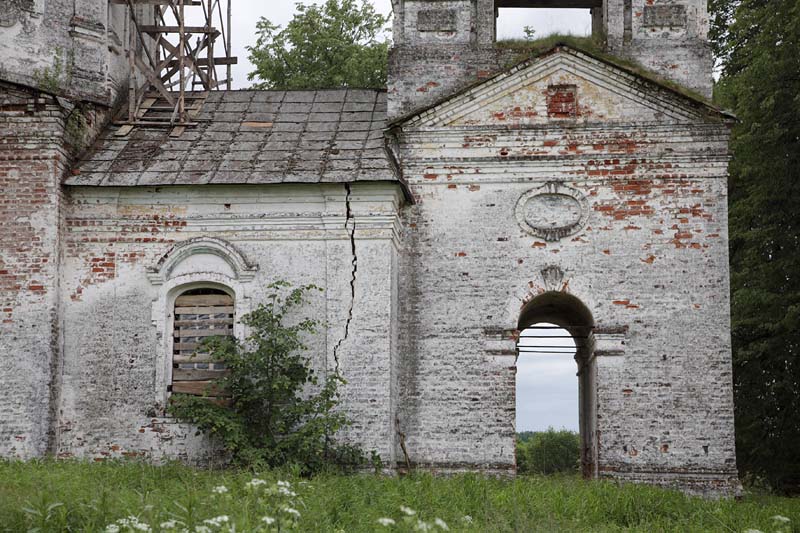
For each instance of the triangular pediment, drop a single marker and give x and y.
(564, 85)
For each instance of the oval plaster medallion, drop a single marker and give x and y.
(552, 211)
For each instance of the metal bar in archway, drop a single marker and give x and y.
(559, 327)
(544, 350)
(553, 336)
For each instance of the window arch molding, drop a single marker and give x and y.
(241, 269)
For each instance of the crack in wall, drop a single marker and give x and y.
(349, 223)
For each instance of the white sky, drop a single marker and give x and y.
(510, 24)
(547, 388)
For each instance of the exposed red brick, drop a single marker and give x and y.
(562, 101)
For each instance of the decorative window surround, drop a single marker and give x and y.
(242, 270)
(175, 274)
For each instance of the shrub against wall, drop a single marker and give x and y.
(548, 452)
(277, 412)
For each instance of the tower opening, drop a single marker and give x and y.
(533, 19)
(555, 330)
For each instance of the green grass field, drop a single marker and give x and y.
(75, 496)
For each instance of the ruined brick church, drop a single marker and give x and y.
(485, 190)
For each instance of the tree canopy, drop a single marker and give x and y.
(757, 43)
(337, 44)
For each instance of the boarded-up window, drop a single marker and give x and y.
(199, 313)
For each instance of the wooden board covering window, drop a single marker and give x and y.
(199, 313)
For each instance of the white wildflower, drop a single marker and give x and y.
(268, 520)
(217, 521)
(783, 519)
(386, 522)
(129, 523)
(407, 510)
(284, 484)
(441, 523)
(169, 524)
(255, 482)
(291, 511)
(286, 492)
(467, 518)
(422, 526)
(202, 529)
(133, 523)
(753, 531)
(222, 489)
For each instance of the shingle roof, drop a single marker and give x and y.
(329, 136)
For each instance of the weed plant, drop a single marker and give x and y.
(50, 496)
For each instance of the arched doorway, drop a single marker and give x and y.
(547, 323)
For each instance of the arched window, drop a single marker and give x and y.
(199, 313)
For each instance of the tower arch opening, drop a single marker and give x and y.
(534, 19)
(559, 324)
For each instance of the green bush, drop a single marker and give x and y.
(278, 413)
(548, 452)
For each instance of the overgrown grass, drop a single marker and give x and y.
(525, 48)
(89, 496)
(542, 44)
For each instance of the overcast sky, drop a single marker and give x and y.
(510, 24)
(547, 385)
(547, 388)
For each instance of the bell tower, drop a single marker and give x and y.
(441, 46)
(438, 47)
(667, 37)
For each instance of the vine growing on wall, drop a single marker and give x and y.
(55, 78)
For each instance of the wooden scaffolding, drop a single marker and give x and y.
(174, 57)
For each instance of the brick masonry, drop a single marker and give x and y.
(31, 162)
(115, 310)
(76, 49)
(648, 258)
(38, 135)
(565, 176)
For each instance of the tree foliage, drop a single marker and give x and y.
(758, 48)
(337, 44)
(278, 413)
(548, 452)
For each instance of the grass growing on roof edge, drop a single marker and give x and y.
(93, 495)
(594, 45)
